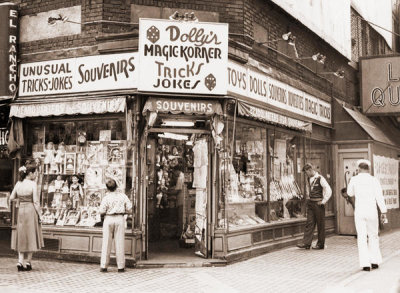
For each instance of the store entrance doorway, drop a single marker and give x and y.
(177, 163)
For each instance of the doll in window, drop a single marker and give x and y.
(81, 140)
(60, 157)
(49, 153)
(76, 192)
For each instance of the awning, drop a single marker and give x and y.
(68, 107)
(369, 127)
(185, 106)
(272, 117)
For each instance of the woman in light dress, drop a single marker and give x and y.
(29, 233)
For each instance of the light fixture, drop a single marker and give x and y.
(288, 37)
(173, 136)
(339, 73)
(318, 57)
(177, 123)
(51, 21)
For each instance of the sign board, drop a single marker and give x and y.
(75, 75)
(380, 85)
(247, 82)
(183, 57)
(8, 50)
(4, 196)
(386, 170)
(175, 106)
(3, 136)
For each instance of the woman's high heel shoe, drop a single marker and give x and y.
(20, 267)
(28, 266)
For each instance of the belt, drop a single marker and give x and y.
(118, 214)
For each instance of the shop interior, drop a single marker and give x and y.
(177, 169)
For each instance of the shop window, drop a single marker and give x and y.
(74, 160)
(318, 153)
(258, 190)
(245, 177)
(286, 199)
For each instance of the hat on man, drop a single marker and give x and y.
(307, 166)
(363, 161)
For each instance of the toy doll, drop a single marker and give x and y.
(60, 157)
(75, 192)
(81, 140)
(58, 183)
(48, 157)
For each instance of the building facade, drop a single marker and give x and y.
(213, 168)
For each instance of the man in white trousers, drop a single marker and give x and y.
(115, 205)
(368, 194)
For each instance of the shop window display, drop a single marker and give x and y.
(286, 195)
(74, 160)
(245, 177)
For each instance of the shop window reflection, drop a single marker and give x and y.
(285, 177)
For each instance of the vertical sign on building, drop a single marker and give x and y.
(183, 56)
(8, 49)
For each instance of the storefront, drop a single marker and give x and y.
(271, 130)
(77, 142)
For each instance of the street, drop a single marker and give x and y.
(334, 269)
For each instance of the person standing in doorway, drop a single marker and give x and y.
(318, 194)
(114, 206)
(29, 232)
(368, 194)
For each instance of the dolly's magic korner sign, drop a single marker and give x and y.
(249, 83)
(386, 170)
(183, 57)
(380, 85)
(8, 50)
(83, 74)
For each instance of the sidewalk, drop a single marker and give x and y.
(334, 269)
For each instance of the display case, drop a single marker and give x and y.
(74, 160)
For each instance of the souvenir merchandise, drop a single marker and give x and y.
(70, 160)
(116, 153)
(84, 219)
(105, 135)
(116, 173)
(60, 158)
(93, 197)
(76, 192)
(72, 218)
(58, 183)
(48, 217)
(62, 216)
(49, 156)
(94, 177)
(95, 153)
(81, 163)
(81, 140)
(200, 164)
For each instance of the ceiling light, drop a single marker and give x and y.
(173, 136)
(177, 123)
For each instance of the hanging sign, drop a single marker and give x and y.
(380, 85)
(175, 106)
(3, 136)
(8, 50)
(247, 82)
(386, 170)
(183, 57)
(83, 74)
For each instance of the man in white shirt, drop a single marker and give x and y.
(368, 194)
(318, 194)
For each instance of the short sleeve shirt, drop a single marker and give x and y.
(115, 203)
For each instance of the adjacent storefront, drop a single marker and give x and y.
(271, 130)
(78, 126)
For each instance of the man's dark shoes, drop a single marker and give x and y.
(28, 266)
(303, 246)
(374, 266)
(121, 270)
(318, 247)
(367, 269)
(103, 270)
(20, 267)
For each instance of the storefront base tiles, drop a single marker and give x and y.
(243, 244)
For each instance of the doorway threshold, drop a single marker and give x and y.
(176, 261)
